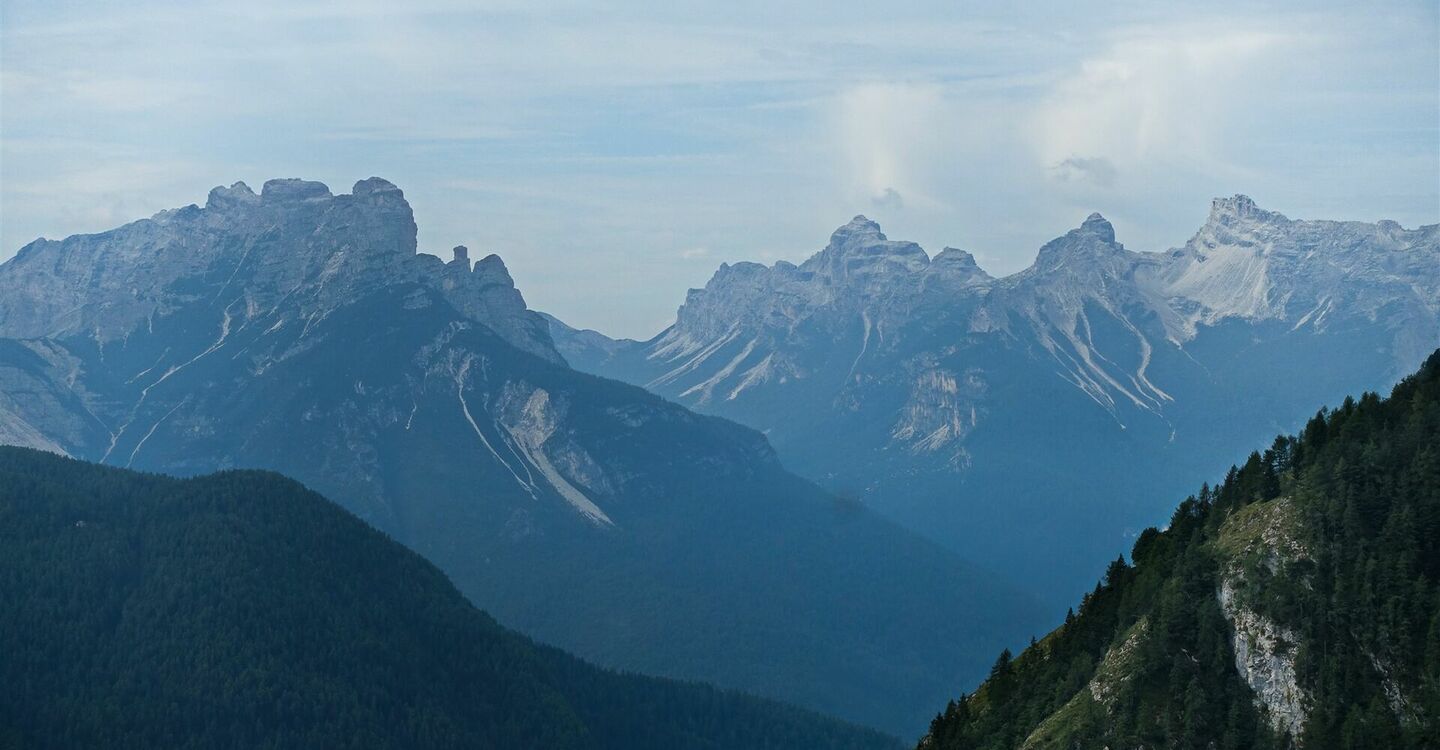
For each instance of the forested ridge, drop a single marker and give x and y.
(242, 610)
(1317, 559)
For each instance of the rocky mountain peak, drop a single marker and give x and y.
(955, 264)
(956, 258)
(1099, 226)
(238, 194)
(487, 294)
(858, 229)
(859, 251)
(376, 186)
(293, 190)
(491, 271)
(1088, 246)
(1238, 209)
(295, 251)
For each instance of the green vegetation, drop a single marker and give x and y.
(1327, 550)
(242, 610)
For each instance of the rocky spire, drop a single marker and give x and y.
(1099, 226)
(860, 250)
(293, 191)
(859, 229)
(1086, 245)
(1239, 208)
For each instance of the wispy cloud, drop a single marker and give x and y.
(1157, 96)
(1095, 169)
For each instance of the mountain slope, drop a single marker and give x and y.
(1034, 420)
(1296, 604)
(242, 610)
(299, 331)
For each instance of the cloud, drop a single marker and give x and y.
(1096, 169)
(889, 137)
(889, 199)
(1156, 98)
(691, 253)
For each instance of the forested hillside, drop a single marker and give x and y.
(1297, 603)
(242, 610)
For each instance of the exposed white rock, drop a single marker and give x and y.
(1253, 264)
(942, 409)
(1265, 658)
(1263, 539)
(532, 426)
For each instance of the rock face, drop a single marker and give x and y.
(1265, 659)
(1040, 419)
(299, 331)
(1261, 543)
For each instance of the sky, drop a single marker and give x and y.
(614, 154)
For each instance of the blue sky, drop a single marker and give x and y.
(615, 154)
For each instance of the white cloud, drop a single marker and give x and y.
(1097, 170)
(889, 137)
(1156, 98)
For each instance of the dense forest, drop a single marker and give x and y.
(242, 610)
(1296, 604)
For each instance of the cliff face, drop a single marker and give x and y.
(1295, 604)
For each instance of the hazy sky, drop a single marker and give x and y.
(614, 155)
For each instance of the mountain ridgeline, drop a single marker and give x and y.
(300, 332)
(1296, 604)
(242, 610)
(1035, 421)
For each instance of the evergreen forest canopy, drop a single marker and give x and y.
(241, 610)
(1320, 556)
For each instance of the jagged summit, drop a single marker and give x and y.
(1087, 246)
(955, 257)
(295, 251)
(222, 197)
(1240, 208)
(1098, 225)
(859, 251)
(375, 185)
(297, 191)
(858, 227)
(292, 189)
(491, 270)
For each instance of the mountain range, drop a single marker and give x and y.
(301, 332)
(1037, 422)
